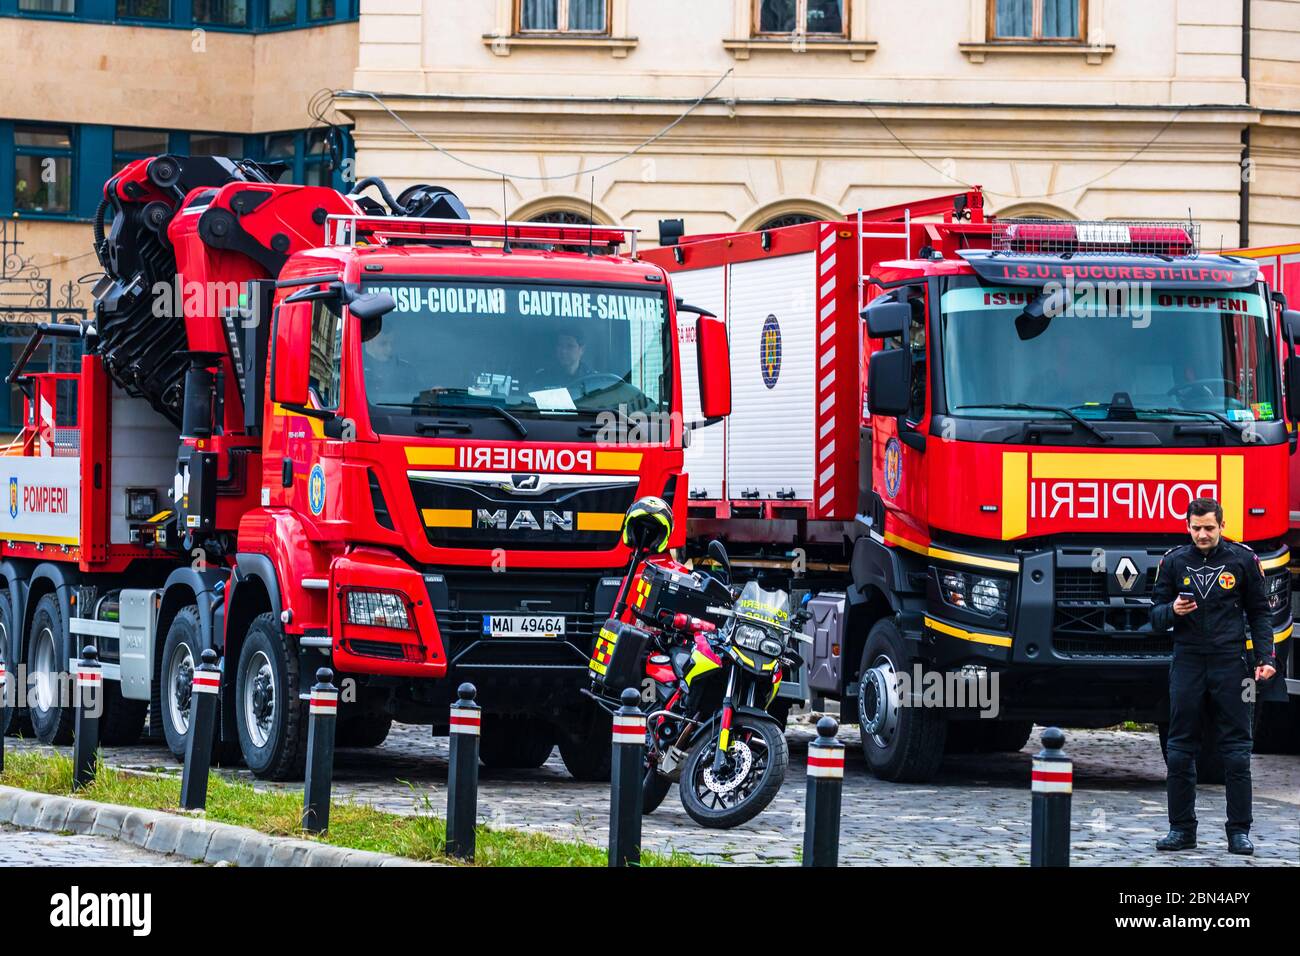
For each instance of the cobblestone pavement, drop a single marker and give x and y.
(38, 848)
(976, 813)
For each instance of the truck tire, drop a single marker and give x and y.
(366, 729)
(176, 676)
(272, 720)
(515, 743)
(123, 720)
(586, 748)
(14, 719)
(47, 676)
(1007, 736)
(900, 744)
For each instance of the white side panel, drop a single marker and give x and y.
(42, 499)
(704, 458)
(770, 433)
(143, 445)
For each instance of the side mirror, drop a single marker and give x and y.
(1292, 367)
(372, 305)
(889, 382)
(292, 353)
(886, 318)
(1291, 322)
(718, 552)
(714, 356)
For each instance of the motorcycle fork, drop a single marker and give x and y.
(724, 734)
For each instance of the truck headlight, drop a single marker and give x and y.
(378, 609)
(980, 593)
(1278, 589)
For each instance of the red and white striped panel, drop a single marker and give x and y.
(1053, 776)
(324, 703)
(466, 720)
(825, 762)
(629, 729)
(206, 682)
(89, 677)
(824, 485)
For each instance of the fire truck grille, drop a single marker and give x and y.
(1074, 584)
(462, 633)
(1089, 623)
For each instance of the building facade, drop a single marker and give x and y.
(741, 113)
(93, 84)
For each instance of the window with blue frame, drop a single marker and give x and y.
(43, 169)
(250, 16)
(132, 144)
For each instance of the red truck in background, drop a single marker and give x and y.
(971, 441)
(312, 430)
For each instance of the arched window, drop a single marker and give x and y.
(562, 217)
(788, 219)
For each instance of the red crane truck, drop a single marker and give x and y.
(311, 430)
(976, 480)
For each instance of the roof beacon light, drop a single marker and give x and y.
(1112, 238)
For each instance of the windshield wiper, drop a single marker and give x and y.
(1235, 426)
(1026, 407)
(458, 426)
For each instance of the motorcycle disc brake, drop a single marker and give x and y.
(741, 758)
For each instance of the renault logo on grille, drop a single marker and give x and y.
(1126, 573)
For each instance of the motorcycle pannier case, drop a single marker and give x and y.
(616, 662)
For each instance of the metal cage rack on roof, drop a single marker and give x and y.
(1098, 238)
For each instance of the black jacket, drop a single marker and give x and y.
(1224, 583)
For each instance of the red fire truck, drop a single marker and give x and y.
(310, 429)
(977, 479)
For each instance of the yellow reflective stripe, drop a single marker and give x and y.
(1147, 467)
(428, 455)
(1269, 563)
(724, 739)
(997, 640)
(699, 665)
(161, 516)
(619, 460)
(1015, 494)
(446, 517)
(942, 554)
(599, 521)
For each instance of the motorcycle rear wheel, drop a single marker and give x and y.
(724, 802)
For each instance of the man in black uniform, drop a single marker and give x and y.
(1201, 591)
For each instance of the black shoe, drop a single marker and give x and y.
(1240, 843)
(1178, 840)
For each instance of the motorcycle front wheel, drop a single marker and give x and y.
(751, 775)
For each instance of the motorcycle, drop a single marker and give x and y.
(709, 659)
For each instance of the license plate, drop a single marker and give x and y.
(523, 625)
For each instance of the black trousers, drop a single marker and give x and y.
(1217, 684)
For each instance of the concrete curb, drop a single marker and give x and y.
(173, 834)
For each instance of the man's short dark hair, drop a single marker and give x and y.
(1200, 507)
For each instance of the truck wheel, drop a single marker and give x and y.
(901, 744)
(366, 729)
(515, 743)
(1007, 736)
(47, 675)
(272, 720)
(123, 720)
(176, 677)
(586, 748)
(14, 720)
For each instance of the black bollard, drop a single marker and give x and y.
(1053, 788)
(322, 715)
(89, 696)
(821, 821)
(462, 774)
(204, 694)
(627, 772)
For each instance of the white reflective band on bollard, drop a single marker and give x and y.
(206, 682)
(466, 720)
(324, 702)
(89, 677)
(1053, 776)
(825, 761)
(629, 730)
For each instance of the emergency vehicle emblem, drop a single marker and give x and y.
(1205, 578)
(769, 351)
(893, 466)
(1126, 573)
(316, 489)
(13, 496)
(1227, 580)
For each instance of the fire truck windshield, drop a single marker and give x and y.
(535, 350)
(1150, 354)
